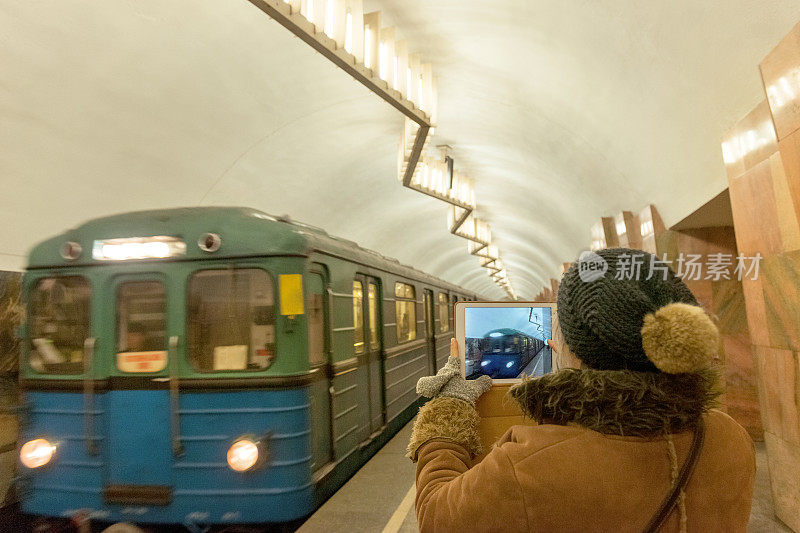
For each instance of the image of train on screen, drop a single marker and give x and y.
(505, 353)
(207, 366)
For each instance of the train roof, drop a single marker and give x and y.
(243, 232)
(505, 331)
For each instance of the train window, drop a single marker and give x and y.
(231, 320)
(59, 324)
(372, 302)
(406, 312)
(444, 313)
(141, 326)
(315, 316)
(358, 317)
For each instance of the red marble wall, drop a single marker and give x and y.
(723, 299)
(762, 156)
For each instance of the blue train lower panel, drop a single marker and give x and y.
(209, 508)
(133, 436)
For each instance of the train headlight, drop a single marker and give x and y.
(36, 453)
(246, 454)
(484, 363)
(509, 364)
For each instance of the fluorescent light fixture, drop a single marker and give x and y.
(329, 9)
(348, 32)
(309, 14)
(157, 247)
(367, 47)
(647, 228)
(383, 63)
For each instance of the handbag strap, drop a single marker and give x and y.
(680, 482)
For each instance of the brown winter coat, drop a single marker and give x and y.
(605, 466)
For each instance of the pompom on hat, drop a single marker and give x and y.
(613, 321)
(679, 338)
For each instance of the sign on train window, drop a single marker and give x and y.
(358, 317)
(231, 322)
(406, 312)
(141, 326)
(59, 324)
(444, 312)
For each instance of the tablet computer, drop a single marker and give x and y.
(504, 340)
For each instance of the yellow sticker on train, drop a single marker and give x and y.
(291, 293)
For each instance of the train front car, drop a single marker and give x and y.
(506, 352)
(165, 370)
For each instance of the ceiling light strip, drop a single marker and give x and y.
(356, 43)
(297, 23)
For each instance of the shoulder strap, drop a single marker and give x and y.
(680, 483)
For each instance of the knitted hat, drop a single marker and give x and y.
(613, 317)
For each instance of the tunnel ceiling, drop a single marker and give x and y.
(562, 111)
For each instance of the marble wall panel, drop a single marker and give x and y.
(789, 148)
(755, 213)
(783, 459)
(779, 392)
(780, 72)
(780, 281)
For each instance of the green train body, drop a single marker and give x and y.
(325, 375)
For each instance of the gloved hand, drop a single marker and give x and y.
(451, 415)
(449, 382)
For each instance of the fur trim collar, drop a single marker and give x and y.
(620, 402)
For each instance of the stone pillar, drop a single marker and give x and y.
(762, 156)
(721, 293)
(629, 230)
(650, 227)
(604, 234)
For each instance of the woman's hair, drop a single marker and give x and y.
(562, 355)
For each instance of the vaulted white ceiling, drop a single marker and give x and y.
(562, 111)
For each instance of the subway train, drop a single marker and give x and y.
(206, 366)
(506, 352)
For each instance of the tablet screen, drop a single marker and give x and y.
(507, 342)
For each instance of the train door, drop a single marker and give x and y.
(141, 345)
(316, 301)
(372, 339)
(430, 330)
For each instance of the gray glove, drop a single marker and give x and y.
(449, 382)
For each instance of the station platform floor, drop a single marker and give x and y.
(380, 497)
